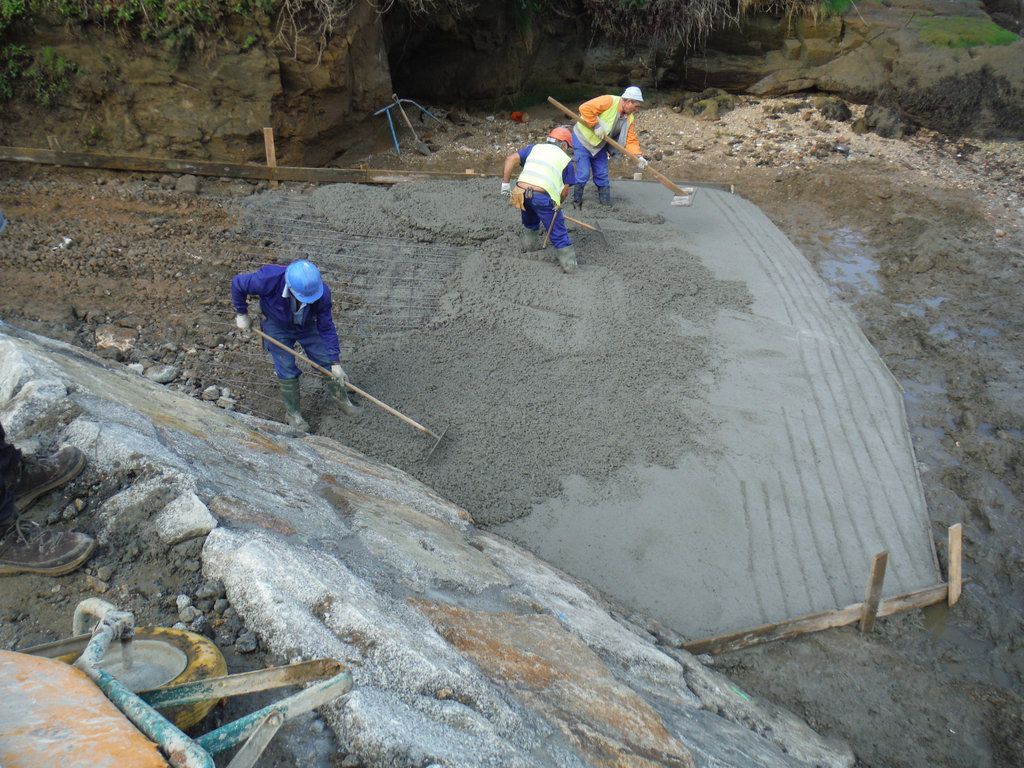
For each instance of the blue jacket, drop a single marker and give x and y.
(268, 283)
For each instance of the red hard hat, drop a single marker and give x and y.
(561, 133)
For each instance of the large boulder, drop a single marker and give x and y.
(465, 649)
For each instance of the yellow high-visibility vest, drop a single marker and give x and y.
(543, 168)
(608, 118)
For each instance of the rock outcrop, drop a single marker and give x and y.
(466, 650)
(127, 95)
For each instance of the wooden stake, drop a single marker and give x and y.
(52, 141)
(955, 575)
(874, 592)
(268, 146)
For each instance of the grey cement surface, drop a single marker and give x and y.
(688, 423)
(808, 471)
(537, 375)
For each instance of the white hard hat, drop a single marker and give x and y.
(633, 94)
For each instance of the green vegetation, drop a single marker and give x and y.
(180, 24)
(964, 32)
(45, 76)
(836, 7)
(10, 10)
(12, 63)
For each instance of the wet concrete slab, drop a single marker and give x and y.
(808, 470)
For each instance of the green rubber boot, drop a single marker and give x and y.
(339, 394)
(530, 239)
(567, 259)
(290, 398)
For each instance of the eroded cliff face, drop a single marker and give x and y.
(946, 66)
(131, 96)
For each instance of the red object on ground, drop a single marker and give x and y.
(519, 117)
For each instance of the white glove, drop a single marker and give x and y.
(599, 130)
(339, 373)
(243, 322)
(641, 162)
(506, 189)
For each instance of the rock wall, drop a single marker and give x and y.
(131, 96)
(942, 64)
(465, 649)
(127, 95)
(900, 55)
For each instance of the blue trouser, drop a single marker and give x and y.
(585, 163)
(10, 459)
(539, 211)
(289, 334)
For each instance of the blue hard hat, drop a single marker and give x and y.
(303, 280)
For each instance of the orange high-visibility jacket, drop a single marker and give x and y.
(590, 110)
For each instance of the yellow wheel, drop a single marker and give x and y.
(166, 657)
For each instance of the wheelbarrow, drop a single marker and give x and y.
(53, 713)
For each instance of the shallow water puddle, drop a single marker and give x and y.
(849, 267)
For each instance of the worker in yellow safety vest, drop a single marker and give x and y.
(542, 187)
(603, 117)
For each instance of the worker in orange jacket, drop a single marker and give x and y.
(603, 117)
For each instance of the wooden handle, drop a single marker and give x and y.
(405, 117)
(581, 223)
(660, 177)
(351, 387)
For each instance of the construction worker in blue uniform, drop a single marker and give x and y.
(296, 308)
(604, 116)
(539, 192)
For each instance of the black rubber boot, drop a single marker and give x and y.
(577, 196)
(290, 398)
(604, 195)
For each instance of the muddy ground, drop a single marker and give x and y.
(923, 237)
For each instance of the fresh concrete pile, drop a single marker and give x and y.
(466, 650)
(539, 375)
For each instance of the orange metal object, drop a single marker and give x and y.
(51, 714)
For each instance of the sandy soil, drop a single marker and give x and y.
(923, 238)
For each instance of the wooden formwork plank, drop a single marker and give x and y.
(212, 168)
(815, 622)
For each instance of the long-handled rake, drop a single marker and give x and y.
(681, 195)
(591, 227)
(353, 388)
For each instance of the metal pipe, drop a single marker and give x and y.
(227, 736)
(91, 606)
(180, 750)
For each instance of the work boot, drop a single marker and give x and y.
(340, 395)
(34, 477)
(530, 239)
(567, 259)
(27, 548)
(290, 398)
(577, 196)
(604, 195)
